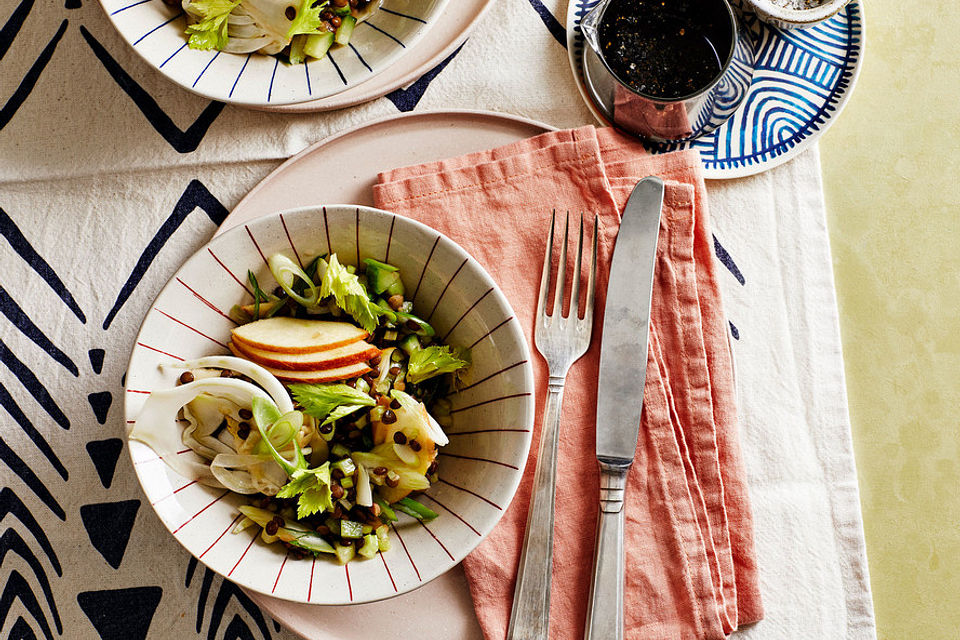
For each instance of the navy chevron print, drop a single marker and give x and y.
(33, 385)
(21, 321)
(29, 478)
(553, 25)
(12, 542)
(184, 141)
(227, 592)
(23, 248)
(18, 589)
(10, 504)
(194, 196)
(29, 80)
(11, 407)
(12, 27)
(726, 260)
(407, 99)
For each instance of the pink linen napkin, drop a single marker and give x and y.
(690, 564)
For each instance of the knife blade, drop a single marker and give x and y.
(623, 373)
(626, 323)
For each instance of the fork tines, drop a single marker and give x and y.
(557, 304)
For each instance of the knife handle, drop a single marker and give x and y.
(530, 616)
(605, 606)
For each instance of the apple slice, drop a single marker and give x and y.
(352, 353)
(312, 376)
(297, 335)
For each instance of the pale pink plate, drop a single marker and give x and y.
(442, 609)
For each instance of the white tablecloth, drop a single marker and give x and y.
(110, 177)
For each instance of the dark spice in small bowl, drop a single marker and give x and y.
(666, 49)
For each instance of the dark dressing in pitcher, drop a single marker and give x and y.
(666, 49)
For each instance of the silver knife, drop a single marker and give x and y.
(623, 372)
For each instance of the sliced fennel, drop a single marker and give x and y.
(255, 372)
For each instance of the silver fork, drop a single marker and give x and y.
(561, 340)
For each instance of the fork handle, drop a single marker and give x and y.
(605, 605)
(530, 616)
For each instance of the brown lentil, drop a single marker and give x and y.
(393, 481)
(413, 325)
(323, 530)
(336, 474)
(375, 510)
(395, 302)
(395, 370)
(380, 471)
(336, 491)
(272, 528)
(375, 360)
(243, 431)
(416, 446)
(245, 414)
(433, 467)
(325, 428)
(226, 374)
(335, 21)
(389, 417)
(186, 377)
(395, 404)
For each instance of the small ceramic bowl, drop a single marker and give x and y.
(492, 415)
(795, 14)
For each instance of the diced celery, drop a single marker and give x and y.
(350, 529)
(318, 44)
(347, 482)
(296, 48)
(342, 37)
(367, 529)
(383, 537)
(370, 546)
(346, 465)
(345, 552)
(340, 451)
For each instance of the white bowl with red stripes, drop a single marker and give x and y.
(492, 417)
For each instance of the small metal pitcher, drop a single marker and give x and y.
(675, 119)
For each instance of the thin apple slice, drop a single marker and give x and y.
(312, 376)
(297, 335)
(352, 353)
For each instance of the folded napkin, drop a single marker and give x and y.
(690, 564)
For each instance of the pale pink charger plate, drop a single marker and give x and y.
(450, 30)
(442, 609)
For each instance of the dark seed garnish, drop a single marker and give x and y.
(186, 377)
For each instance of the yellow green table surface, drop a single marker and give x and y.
(891, 168)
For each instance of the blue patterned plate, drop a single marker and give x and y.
(155, 30)
(802, 80)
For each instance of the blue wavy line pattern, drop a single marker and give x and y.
(800, 80)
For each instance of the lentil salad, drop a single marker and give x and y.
(321, 415)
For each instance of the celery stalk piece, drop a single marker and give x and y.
(414, 509)
(370, 547)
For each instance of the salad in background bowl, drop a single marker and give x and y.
(271, 52)
(326, 387)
